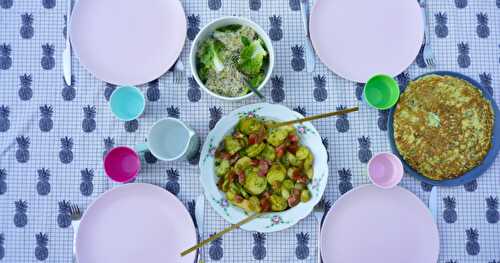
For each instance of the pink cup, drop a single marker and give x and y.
(122, 164)
(385, 170)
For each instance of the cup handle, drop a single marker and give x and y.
(141, 148)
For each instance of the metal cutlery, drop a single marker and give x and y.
(178, 72)
(433, 203)
(200, 216)
(76, 215)
(318, 213)
(428, 53)
(66, 55)
(310, 59)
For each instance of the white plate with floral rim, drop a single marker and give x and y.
(274, 221)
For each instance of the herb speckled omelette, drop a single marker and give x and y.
(442, 126)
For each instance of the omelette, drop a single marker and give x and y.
(443, 126)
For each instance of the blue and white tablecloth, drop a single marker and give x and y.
(53, 136)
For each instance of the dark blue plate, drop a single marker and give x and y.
(476, 171)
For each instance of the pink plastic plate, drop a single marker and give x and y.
(127, 42)
(360, 38)
(135, 223)
(369, 224)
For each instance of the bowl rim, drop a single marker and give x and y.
(291, 216)
(475, 172)
(236, 20)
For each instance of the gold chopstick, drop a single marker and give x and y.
(314, 117)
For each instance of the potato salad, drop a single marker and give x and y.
(262, 169)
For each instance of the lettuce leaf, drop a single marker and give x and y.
(252, 57)
(209, 55)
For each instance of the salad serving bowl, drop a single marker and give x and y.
(208, 30)
(271, 221)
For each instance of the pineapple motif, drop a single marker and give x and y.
(359, 91)
(451, 261)
(68, 92)
(6, 4)
(150, 158)
(485, 79)
(194, 92)
(426, 187)
(498, 3)
(324, 141)
(403, 80)
(441, 27)
(420, 58)
(471, 186)
(43, 185)
(20, 217)
(214, 4)
(302, 250)
(88, 123)
(4, 118)
(153, 92)
(345, 180)
(492, 215)
(27, 30)
(300, 110)
(461, 3)
(173, 112)
(49, 4)
(2, 249)
(472, 246)
(5, 59)
(65, 28)
(25, 92)
(22, 152)
(493, 261)
(320, 93)
(364, 153)
(449, 214)
(298, 62)
(294, 5)
(86, 186)
(3, 184)
(46, 122)
(64, 216)
(48, 62)
(254, 4)
(275, 32)
(259, 248)
(383, 116)
(463, 57)
(215, 115)
(342, 123)
(195, 159)
(193, 26)
(109, 90)
(215, 251)
(172, 185)
(277, 92)
(66, 153)
(131, 126)
(109, 143)
(41, 250)
(191, 205)
(482, 29)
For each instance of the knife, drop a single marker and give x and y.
(433, 203)
(310, 58)
(66, 55)
(199, 210)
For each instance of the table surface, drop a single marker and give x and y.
(452, 22)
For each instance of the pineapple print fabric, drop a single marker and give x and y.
(54, 136)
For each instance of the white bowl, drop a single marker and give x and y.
(207, 31)
(273, 221)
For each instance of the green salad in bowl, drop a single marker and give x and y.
(231, 56)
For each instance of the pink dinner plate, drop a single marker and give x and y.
(369, 224)
(357, 39)
(135, 223)
(127, 42)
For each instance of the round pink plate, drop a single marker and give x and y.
(127, 42)
(135, 223)
(369, 224)
(357, 39)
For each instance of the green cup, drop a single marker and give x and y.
(381, 92)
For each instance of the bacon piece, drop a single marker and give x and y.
(265, 205)
(293, 200)
(238, 198)
(241, 177)
(293, 138)
(252, 139)
(280, 150)
(263, 168)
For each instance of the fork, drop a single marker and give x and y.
(318, 213)
(428, 53)
(178, 72)
(310, 59)
(76, 215)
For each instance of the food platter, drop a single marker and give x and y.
(477, 170)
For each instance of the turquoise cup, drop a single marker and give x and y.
(127, 103)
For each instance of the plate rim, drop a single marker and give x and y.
(475, 172)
